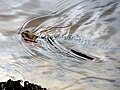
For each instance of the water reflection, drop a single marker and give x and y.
(49, 62)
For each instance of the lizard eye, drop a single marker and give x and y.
(36, 36)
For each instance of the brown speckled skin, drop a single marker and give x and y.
(28, 36)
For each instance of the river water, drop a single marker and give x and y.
(52, 61)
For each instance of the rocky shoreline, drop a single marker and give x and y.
(15, 85)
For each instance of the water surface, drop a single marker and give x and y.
(50, 62)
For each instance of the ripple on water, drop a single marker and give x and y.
(55, 61)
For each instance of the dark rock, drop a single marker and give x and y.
(15, 85)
